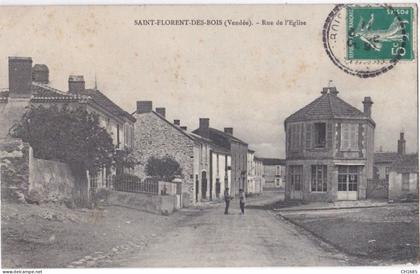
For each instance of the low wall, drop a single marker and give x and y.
(164, 205)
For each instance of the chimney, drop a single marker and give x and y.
(184, 128)
(401, 144)
(367, 106)
(177, 122)
(76, 84)
(228, 130)
(20, 77)
(40, 74)
(161, 112)
(144, 106)
(333, 91)
(204, 127)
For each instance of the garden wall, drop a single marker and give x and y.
(165, 204)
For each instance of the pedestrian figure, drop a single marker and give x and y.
(242, 200)
(227, 200)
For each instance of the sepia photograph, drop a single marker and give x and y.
(253, 135)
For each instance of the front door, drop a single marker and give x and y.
(203, 185)
(295, 178)
(348, 182)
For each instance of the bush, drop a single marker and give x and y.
(166, 168)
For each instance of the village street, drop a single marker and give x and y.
(207, 237)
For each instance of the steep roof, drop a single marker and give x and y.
(273, 161)
(327, 106)
(385, 157)
(408, 163)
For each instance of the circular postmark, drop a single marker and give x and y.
(359, 46)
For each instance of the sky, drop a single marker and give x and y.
(248, 78)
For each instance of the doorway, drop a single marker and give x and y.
(203, 185)
(348, 182)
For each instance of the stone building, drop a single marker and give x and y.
(274, 173)
(329, 149)
(28, 85)
(238, 150)
(156, 136)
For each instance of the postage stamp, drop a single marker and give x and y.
(369, 40)
(379, 33)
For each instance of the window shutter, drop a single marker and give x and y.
(289, 137)
(354, 137)
(330, 134)
(360, 137)
(344, 137)
(308, 135)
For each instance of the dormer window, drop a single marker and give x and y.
(320, 135)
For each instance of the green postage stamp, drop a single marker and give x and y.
(379, 33)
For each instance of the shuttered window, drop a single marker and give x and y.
(349, 137)
(319, 178)
(295, 137)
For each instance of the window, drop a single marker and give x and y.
(349, 137)
(278, 170)
(320, 135)
(347, 178)
(277, 182)
(319, 178)
(405, 181)
(294, 137)
(295, 177)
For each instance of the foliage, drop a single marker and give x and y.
(69, 135)
(124, 159)
(165, 168)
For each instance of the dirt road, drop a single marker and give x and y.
(207, 237)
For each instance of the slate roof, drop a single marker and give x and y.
(273, 161)
(106, 103)
(385, 157)
(327, 106)
(222, 133)
(408, 163)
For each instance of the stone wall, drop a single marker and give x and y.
(50, 181)
(156, 137)
(396, 192)
(14, 164)
(27, 179)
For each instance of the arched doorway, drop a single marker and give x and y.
(203, 185)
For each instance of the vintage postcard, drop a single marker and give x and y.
(209, 136)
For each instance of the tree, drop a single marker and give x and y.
(165, 168)
(73, 136)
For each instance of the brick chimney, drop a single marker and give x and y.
(204, 129)
(401, 144)
(40, 74)
(161, 112)
(144, 106)
(76, 84)
(367, 106)
(20, 77)
(228, 130)
(177, 122)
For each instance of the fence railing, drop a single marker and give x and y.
(129, 183)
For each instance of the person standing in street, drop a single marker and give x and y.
(227, 200)
(242, 200)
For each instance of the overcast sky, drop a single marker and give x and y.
(250, 79)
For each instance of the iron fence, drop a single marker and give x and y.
(130, 183)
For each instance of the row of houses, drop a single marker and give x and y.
(330, 154)
(210, 159)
